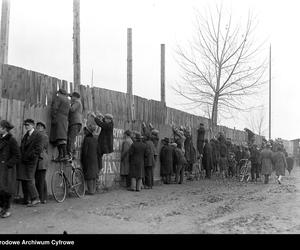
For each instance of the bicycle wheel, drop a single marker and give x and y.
(78, 182)
(58, 186)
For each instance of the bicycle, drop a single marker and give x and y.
(60, 182)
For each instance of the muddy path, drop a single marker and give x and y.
(205, 206)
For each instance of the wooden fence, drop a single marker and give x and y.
(28, 94)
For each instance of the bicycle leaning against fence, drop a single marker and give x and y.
(60, 183)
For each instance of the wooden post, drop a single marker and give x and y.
(129, 76)
(76, 44)
(270, 93)
(162, 75)
(4, 31)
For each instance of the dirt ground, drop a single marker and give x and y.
(195, 207)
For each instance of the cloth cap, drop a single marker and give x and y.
(76, 94)
(91, 128)
(155, 132)
(166, 139)
(6, 124)
(62, 91)
(108, 116)
(29, 121)
(138, 135)
(41, 123)
(127, 132)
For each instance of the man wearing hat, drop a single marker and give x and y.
(266, 156)
(105, 138)
(59, 123)
(9, 157)
(75, 122)
(31, 148)
(166, 161)
(125, 164)
(40, 174)
(89, 160)
(138, 152)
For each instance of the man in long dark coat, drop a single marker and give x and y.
(290, 163)
(125, 163)
(200, 138)
(190, 152)
(43, 162)
(59, 123)
(166, 161)
(89, 160)
(105, 138)
(9, 157)
(138, 153)
(75, 123)
(254, 158)
(207, 159)
(31, 148)
(149, 162)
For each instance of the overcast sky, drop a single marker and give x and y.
(40, 39)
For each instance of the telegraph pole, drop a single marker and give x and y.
(4, 31)
(162, 75)
(76, 44)
(270, 93)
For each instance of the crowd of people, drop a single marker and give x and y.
(140, 154)
(178, 157)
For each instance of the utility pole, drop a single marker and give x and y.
(76, 44)
(270, 93)
(131, 116)
(4, 31)
(162, 75)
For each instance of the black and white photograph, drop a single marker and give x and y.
(149, 117)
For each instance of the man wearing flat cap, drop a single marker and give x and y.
(43, 162)
(125, 164)
(31, 148)
(59, 123)
(75, 123)
(166, 161)
(105, 138)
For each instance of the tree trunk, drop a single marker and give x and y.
(214, 115)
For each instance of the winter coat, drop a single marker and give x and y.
(279, 162)
(290, 163)
(254, 156)
(166, 160)
(59, 118)
(266, 161)
(190, 152)
(125, 164)
(200, 140)
(207, 160)
(223, 150)
(88, 158)
(179, 159)
(138, 153)
(43, 161)
(9, 157)
(150, 161)
(30, 153)
(75, 112)
(105, 138)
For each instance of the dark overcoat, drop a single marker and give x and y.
(266, 156)
(190, 152)
(279, 162)
(105, 138)
(88, 158)
(59, 118)
(200, 140)
(150, 161)
(138, 153)
(125, 164)
(75, 112)
(31, 149)
(43, 161)
(166, 160)
(9, 157)
(207, 160)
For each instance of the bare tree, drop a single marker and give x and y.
(257, 122)
(221, 67)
